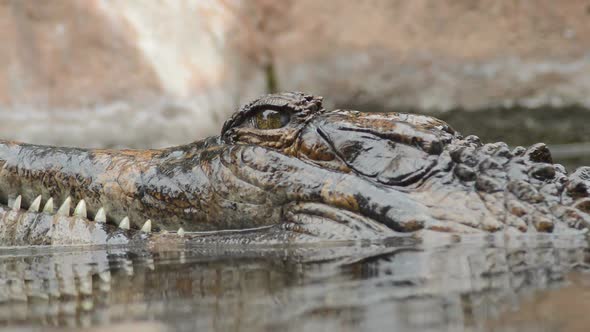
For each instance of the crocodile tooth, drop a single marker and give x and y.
(48, 206)
(36, 204)
(100, 216)
(181, 231)
(16, 205)
(124, 224)
(80, 210)
(64, 209)
(147, 227)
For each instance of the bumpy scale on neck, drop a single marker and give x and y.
(490, 187)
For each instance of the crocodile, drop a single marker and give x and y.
(285, 169)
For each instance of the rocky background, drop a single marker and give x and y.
(150, 73)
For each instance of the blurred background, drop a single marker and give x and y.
(151, 73)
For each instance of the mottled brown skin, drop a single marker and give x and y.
(325, 174)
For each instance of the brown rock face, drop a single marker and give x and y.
(154, 73)
(436, 55)
(119, 73)
(61, 55)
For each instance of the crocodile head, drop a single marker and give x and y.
(403, 171)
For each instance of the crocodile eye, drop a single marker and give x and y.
(269, 119)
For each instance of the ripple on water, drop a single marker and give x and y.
(457, 284)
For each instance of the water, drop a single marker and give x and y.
(456, 284)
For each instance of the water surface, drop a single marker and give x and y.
(456, 284)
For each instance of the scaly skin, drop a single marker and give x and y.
(310, 174)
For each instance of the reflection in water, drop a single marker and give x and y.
(401, 285)
(557, 309)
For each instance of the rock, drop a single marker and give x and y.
(440, 55)
(119, 73)
(148, 74)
